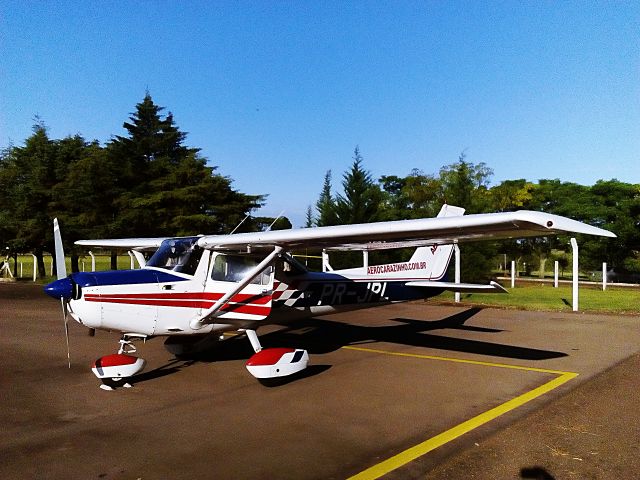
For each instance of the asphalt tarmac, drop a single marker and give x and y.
(403, 391)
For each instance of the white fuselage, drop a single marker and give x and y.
(154, 301)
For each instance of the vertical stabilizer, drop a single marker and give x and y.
(437, 257)
(450, 211)
(427, 263)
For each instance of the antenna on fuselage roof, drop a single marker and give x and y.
(238, 226)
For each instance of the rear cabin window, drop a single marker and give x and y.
(233, 268)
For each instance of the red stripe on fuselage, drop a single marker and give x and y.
(241, 303)
(229, 307)
(194, 296)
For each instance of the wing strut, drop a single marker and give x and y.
(208, 315)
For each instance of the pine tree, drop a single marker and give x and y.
(325, 205)
(309, 221)
(362, 198)
(167, 188)
(29, 174)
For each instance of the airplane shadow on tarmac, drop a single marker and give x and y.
(324, 336)
(319, 336)
(169, 368)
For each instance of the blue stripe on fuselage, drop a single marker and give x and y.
(124, 277)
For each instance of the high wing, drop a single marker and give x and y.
(420, 232)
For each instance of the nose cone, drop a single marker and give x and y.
(62, 288)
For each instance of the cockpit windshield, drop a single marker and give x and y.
(177, 254)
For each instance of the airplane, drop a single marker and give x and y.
(195, 289)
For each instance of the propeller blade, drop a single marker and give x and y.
(61, 268)
(66, 328)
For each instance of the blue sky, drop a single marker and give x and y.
(275, 93)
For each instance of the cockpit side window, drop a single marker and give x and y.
(233, 268)
(177, 254)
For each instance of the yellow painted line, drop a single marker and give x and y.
(447, 436)
(455, 360)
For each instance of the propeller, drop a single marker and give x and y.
(66, 328)
(61, 272)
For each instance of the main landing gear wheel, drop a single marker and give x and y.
(273, 363)
(277, 362)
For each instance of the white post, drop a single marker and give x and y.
(555, 274)
(574, 249)
(93, 261)
(365, 260)
(513, 273)
(52, 265)
(456, 250)
(35, 267)
(83, 265)
(20, 269)
(325, 262)
(131, 258)
(604, 276)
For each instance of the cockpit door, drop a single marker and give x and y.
(253, 302)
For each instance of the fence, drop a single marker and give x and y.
(25, 265)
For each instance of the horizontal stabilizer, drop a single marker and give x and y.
(493, 287)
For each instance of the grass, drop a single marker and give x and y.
(543, 297)
(533, 296)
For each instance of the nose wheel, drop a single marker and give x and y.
(116, 368)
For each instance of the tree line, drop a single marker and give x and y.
(609, 204)
(148, 183)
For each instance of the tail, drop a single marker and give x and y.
(436, 258)
(431, 263)
(427, 263)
